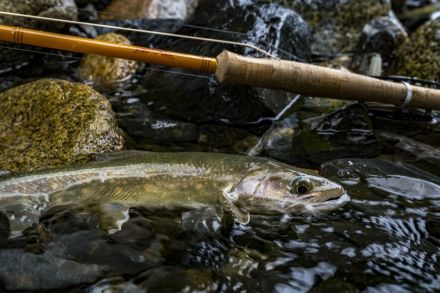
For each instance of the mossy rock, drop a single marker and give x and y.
(11, 59)
(337, 24)
(65, 9)
(420, 55)
(107, 73)
(48, 123)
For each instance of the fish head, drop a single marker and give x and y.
(281, 188)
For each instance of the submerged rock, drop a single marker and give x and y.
(344, 133)
(420, 55)
(190, 279)
(53, 122)
(413, 152)
(152, 9)
(337, 24)
(389, 178)
(107, 73)
(26, 271)
(269, 26)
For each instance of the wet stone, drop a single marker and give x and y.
(415, 13)
(65, 9)
(26, 271)
(382, 35)
(4, 227)
(343, 133)
(272, 27)
(147, 126)
(400, 182)
(173, 279)
(98, 4)
(225, 138)
(413, 152)
(151, 9)
(107, 73)
(54, 122)
(420, 55)
(95, 248)
(411, 122)
(141, 39)
(338, 24)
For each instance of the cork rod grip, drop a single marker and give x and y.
(312, 80)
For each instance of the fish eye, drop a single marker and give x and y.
(301, 185)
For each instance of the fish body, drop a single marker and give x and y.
(179, 180)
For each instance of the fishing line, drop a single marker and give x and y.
(229, 32)
(179, 73)
(140, 31)
(72, 58)
(60, 55)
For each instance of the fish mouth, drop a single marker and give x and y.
(330, 204)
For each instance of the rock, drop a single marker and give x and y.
(337, 24)
(411, 123)
(190, 279)
(398, 6)
(415, 13)
(5, 228)
(413, 152)
(107, 73)
(272, 27)
(152, 9)
(95, 248)
(226, 139)
(66, 9)
(420, 55)
(158, 129)
(99, 4)
(386, 177)
(344, 133)
(53, 122)
(26, 271)
(144, 125)
(140, 39)
(382, 35)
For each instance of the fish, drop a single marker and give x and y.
(240, 184)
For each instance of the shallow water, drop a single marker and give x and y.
(385, 240)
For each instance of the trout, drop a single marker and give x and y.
(240, 184)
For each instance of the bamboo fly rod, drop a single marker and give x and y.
(230, 68)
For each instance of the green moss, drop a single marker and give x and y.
(52, 122)
(420, 55)
(65, 9)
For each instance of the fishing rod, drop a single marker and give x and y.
(231, 68)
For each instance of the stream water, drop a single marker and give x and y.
(386, 239)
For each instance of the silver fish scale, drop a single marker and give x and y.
(42, 185)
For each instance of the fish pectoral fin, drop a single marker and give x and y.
(239, 214)
(112, 216)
